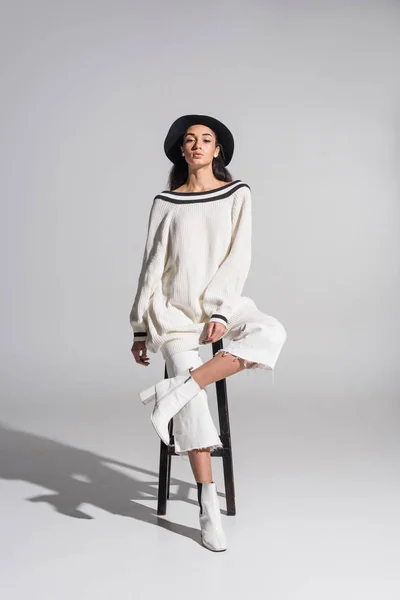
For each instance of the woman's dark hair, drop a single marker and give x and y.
(179, 172)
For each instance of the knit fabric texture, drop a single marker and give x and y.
(196, 260)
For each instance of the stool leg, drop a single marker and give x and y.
(229, 483)
(163, 478)
(164, 471)
(225, 434)
(169, 461)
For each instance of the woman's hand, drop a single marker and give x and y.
(139, 351)
(215, 331)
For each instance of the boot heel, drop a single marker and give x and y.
(148, 395)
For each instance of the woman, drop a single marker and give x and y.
(196, 261)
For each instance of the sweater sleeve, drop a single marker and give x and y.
(225, 288)
(151, 270)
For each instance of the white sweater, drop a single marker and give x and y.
(196, 260)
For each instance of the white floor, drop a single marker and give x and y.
(317, 493)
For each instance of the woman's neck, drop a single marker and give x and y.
(201, 182)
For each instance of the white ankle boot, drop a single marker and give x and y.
(170, 396)
(212, 535)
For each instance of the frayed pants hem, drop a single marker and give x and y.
(211, 448)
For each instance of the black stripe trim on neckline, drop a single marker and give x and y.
(207, 196)
(221, 187)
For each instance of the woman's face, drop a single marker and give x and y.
(198, 145)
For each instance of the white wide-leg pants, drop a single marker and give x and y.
(258, 338)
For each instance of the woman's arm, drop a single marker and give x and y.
(225, 288)
(151, 270)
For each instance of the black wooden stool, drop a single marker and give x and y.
(166, 452)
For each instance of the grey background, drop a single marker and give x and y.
(311, 92)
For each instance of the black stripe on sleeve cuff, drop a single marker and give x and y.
(218, 316)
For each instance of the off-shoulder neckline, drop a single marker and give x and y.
(217, 189)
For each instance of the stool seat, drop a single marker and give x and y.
(167, 452)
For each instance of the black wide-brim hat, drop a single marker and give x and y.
(174, 138)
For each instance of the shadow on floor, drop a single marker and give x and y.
(79, 476)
